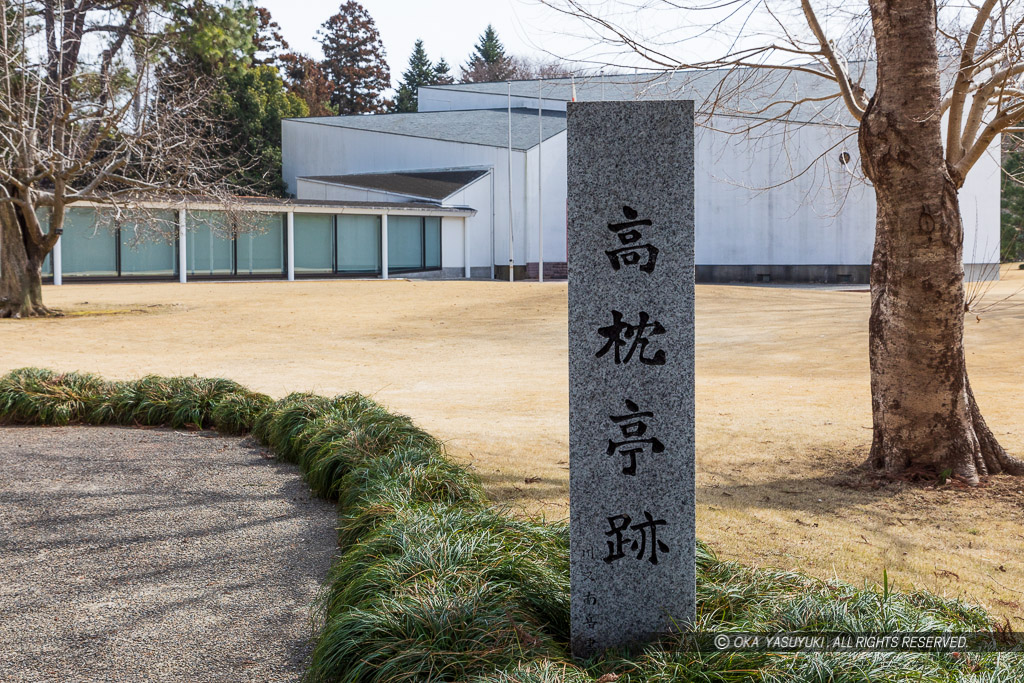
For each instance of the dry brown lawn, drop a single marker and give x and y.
(783, 413)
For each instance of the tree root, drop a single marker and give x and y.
(991, 457)
(981, 456)
(8, 310)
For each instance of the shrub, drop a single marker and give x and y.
(32, 396)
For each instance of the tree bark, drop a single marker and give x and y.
(21, 286)
(925, 416)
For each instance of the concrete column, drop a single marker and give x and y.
(465, 246)
(57, 259)
(182, 248)
(290, 236)
(384, 246)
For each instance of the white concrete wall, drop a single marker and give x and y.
(778, 197)
(451, 242)
(824, 214)
(552, 199)
(979, 206)
(317, 149)
(477, 195)
(765, 200)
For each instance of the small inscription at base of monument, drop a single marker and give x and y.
(631, 403)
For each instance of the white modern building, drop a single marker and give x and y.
(476, 182)
(779, 192)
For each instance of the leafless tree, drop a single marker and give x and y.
(85, 118)
(929, 88)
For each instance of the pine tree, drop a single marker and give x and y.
(443, 73)
(1013, 199)
(488, 61)
(420, 72)
(354, 61)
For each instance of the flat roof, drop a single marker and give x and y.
(290, 204)
(436, 185)
(487, 127)
(760, 93)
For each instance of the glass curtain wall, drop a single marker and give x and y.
(324, 243)
(358, 244)
(314, 243)
(432, 242)
(209, 249)
(405, 242)
(88, 249)
(414, 243)
(150, 250)
(261, 250)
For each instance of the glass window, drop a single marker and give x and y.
(261, 247)
(151, 248)
(314, 243)
(88, 248)
(432, 242)
(405, 242)
(358, 244)
(209, 247)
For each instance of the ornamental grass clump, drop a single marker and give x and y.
(236, 413)
(32, 396)
(337, 445)
(453, 590)
(402, 479)
(176, 402)
(282, 425)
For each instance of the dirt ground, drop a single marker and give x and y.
(783, 411)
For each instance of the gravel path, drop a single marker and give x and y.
(153, 555)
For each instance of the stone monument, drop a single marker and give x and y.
(631, 402)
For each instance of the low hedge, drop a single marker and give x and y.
(434, 584)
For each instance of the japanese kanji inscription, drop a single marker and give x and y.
(631, 405)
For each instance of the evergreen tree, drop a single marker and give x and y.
(354, 61)
(1013, 200)
(443, 73)
(250, 106)
(268, 43)
(420, 72)
(488, 61)
(489, 50)
(307, 81)
(249, 99)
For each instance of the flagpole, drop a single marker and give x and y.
(540, 183)
(511, 255)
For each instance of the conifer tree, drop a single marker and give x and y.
(1013, 199)
(443, 73)
(354, 61)
(488, 61)
(420, 72)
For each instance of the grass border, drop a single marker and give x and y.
(434, 584)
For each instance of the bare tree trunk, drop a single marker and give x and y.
(21, 288)
(924, 412)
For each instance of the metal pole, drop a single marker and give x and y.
(182, 248)
(290, 240)
(540, 184)
(57, 261)
(384, 247)
(511, 254)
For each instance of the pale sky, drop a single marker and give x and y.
(449, 28)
